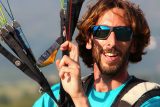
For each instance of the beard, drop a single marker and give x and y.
(109, 69)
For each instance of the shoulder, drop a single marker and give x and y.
(45, 100)
(148, 92)
(151, 95)
(152, 102)
(138, 91)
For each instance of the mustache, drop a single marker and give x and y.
(113, 50)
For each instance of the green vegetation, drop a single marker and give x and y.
(20, 94)
(24, 101)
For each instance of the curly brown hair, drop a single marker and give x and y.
(135, 18)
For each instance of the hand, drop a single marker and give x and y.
(69, 70)
(70, 75)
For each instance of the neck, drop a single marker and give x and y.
(104, 83)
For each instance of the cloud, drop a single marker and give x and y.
(153, 43)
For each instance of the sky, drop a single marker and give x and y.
(41, 24)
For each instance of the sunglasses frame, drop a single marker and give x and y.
(111, 29)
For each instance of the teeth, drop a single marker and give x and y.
(111, 54)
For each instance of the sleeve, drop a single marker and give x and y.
(153, 102)
(45, 100)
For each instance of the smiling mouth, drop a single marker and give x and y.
(111, 57)
(111, 54)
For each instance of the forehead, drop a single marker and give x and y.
(113, 17)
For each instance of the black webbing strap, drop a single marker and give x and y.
(17, 62)
(87, 83)
(20, 37)
(8, 37)
(24, 63)
(25, 69)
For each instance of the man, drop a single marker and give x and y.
(111, 34)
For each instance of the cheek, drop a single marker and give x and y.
(96, 52)
(124, 47)
(101, 43)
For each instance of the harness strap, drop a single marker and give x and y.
(17, 62)
(23, 62)
(134, 81)
(132, 96)
(136, 92)
(87, 83)
(147, 96)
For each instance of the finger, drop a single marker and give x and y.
(67, 61)
(67, 45)
(73, 50)
(57, 65)
(74, 54)
(65, 72)
(72, 70)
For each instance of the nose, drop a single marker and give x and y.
(111, 40)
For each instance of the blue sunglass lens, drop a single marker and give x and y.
(102, 32)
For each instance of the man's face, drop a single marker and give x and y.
(110, 54)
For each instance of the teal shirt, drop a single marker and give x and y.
(103, 99)
(153, 102)
(100, 99)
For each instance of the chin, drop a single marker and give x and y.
(110, 69)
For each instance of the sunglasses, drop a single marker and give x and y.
(123, 33)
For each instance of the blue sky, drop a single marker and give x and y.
(40, 22)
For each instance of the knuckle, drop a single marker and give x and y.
(60, 74)
(65, 56)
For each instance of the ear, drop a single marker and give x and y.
(89, 43)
